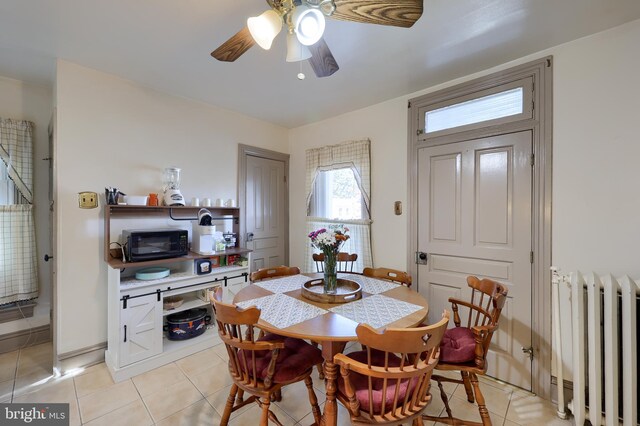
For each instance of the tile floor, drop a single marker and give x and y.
(192, 391)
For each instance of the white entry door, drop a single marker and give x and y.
(474, 210)
(266, 216)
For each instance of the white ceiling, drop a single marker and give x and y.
(166, 45)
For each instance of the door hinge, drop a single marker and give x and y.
(529, 351)
(285, 178)
(408, 104)
(419, 132)
(532, 159)
(531, 257)
(533, 105)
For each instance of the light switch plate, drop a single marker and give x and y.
(87, 200)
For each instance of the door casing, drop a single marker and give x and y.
(541, 126)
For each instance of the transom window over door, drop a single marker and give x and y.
(490, 107)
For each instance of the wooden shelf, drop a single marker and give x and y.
(118, 263)
(190, 301)
(176, 213)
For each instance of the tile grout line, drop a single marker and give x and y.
(153, 422)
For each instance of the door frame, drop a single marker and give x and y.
(541, 126)
(245, 151)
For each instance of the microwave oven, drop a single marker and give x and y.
(152, 244)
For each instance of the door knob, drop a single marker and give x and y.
(47, 257)
(249, 236)
(421, 258)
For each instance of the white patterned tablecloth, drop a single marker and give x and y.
(283, 284)
(283, 311)
(377, 310)
(370, 285)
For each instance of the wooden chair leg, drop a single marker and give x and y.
(467, 385)
(417, 422)
(320, 368)
(240, 396)
(313, 400)
(482, 408)
(264, 418)
(229, 406)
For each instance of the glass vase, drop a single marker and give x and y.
(330, 275)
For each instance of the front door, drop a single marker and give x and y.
(266, 211)
(474, 218)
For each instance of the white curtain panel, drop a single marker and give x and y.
(359, 241)
(353, 154)
(18, 257)
(18, 273)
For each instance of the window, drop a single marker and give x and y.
(498, 105)
(336, 195)
(477, 109)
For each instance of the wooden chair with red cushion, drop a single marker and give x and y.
(344, 261)
(464, 348)
(262, 366)
(389, 382)
(387, 274)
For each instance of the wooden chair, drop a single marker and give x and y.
(379, 387)
(389, 275)
(261, 367)
(277, 271)
(464, 348)
(344, 261)
(280, 271)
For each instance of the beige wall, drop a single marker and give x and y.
(113, 132)
(596, 148)
(22, 101)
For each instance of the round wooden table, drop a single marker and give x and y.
(331, 330)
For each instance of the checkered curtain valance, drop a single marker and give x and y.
(18, 256)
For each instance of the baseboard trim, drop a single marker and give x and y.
(81, 358)
(24, 338)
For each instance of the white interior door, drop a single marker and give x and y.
(474, 209)
(265, 211)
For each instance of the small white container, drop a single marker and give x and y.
(202, 239)
(136, 200)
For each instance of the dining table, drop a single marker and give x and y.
(285, 311)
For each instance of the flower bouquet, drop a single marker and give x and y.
(329, 242)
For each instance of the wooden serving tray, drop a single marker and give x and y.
(347, 291)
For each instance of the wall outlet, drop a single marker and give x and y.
(87, 200)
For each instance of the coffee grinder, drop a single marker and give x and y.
(171, 181)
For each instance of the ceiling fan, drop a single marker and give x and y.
(304, 21)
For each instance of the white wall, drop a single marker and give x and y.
(22, 101)
(113, 132)
(596, 148)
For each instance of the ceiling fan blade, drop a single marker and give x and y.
(233, 48)
(397, 13)
(321, 60)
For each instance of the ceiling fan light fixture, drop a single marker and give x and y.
(296, 51)
(265, 28)
(308, 24)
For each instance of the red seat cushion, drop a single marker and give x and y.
(458, 345)
(360, 382)
(294, 359)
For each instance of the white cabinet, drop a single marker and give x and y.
(140, 323)
(137, 341)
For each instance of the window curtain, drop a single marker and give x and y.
(355, 155)
(18, 257)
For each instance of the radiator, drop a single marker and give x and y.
(604, 341)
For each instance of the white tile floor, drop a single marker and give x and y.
(192, 392)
